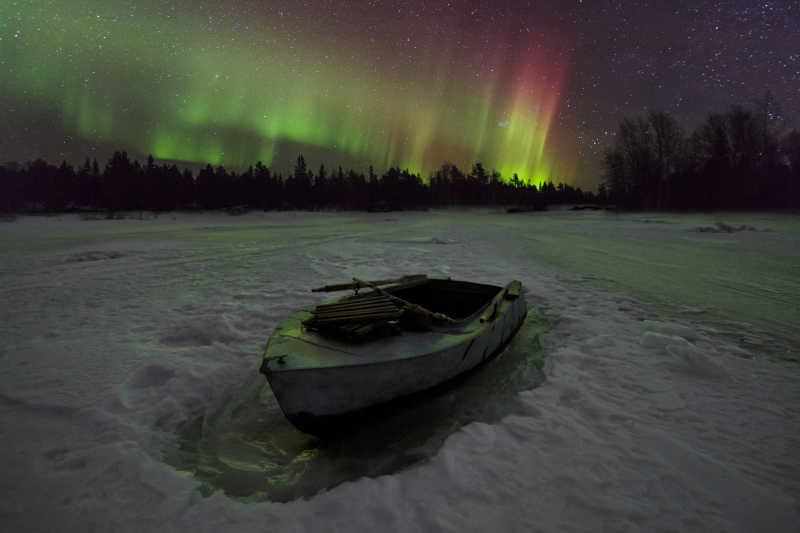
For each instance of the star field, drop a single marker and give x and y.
(535, 88)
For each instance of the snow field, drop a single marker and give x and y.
(670, 402)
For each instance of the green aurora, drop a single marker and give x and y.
(185, 87)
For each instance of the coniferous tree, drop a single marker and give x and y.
(205, 188)
(791, 147)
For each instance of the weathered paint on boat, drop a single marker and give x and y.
(316, 377)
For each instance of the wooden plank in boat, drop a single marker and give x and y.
(490, 311)
(359, 301)
(335, 308)
(354, 318)
(353, 312)
(356, 311)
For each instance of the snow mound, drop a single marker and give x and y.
(665, 339)
(672, 329)
(94, 255)
(152, 376)
(694, 360)
(202, 330)
(427, 240)
(722, 227)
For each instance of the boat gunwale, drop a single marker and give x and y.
(459, 328)
(436, 327)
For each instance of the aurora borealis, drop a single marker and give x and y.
(519, 86)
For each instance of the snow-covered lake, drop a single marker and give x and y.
(669, 400)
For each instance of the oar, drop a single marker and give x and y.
(359, 284)
(414, 308)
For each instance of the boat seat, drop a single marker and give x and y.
(356, 320)
(366, 309)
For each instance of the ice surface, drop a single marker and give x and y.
(671, 400)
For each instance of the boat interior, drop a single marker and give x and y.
(456, 299)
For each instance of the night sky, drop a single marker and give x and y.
(536, 88)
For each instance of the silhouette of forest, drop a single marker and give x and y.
(125, 184)
(740, 159)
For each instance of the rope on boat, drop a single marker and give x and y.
(408, 306)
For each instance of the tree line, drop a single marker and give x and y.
(126, 184)
(739, 159)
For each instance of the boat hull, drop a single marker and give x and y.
(312, 394)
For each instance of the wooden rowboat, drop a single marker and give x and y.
(367, 349)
